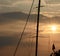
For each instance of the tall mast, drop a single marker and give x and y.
(36, 52)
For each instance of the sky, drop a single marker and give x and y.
(50, 6)
(11, 30)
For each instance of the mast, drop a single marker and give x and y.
(36, 52)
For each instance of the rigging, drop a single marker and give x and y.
(23, 29)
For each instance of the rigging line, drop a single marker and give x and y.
(23, 29)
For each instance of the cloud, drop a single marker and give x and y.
(14, 5)
(53, 5)
(24, 5)
(53, 1)
(51, 14)
(43, 2)
(13, 2)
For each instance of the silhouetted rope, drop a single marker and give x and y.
(23, 29)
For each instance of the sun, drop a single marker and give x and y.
(53, 28)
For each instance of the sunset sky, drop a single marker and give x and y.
(51, 6)
(12, 25)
